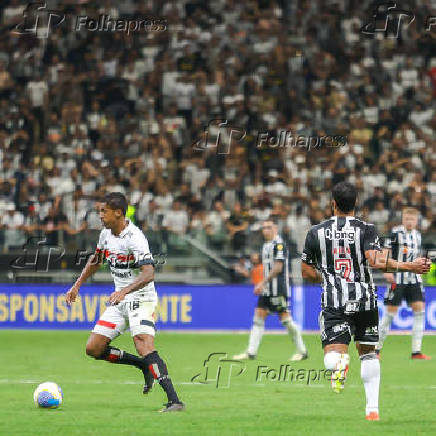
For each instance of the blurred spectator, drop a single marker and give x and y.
(176, 219)
(379, 216)
(297, 226)
(37, 91)
(252, 269)
(256, 273)
(54, 221)
(241, 270)
(12, 222)
(237, 225)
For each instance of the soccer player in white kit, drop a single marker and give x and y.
(132, 304)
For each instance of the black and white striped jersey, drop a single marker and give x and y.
(406, 247)
(273, 251)
(336, 247)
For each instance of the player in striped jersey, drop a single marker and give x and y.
(273, 294)
(340, 252)
(405, 244)
(132, 304)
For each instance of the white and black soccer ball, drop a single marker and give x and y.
(48, 395)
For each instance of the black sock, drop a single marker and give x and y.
(115, 355)
(160, 372)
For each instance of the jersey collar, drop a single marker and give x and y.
(126, 229)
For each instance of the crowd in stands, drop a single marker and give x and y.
(83, 113)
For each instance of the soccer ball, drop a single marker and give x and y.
(48, 395)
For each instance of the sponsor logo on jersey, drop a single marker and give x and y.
(341, 234)
(121, 275)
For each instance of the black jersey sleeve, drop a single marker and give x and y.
(371, 241)
(310, 249)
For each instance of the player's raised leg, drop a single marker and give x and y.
(337, 360)
(99, 347)
(256, 334)
(108, 327)
(294, 332)
(335, 337)
(418, 308)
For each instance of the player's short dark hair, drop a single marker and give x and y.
(345, 195)
(116, 200)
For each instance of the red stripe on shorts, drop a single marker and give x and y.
(111, 325)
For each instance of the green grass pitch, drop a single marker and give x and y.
(102, 399)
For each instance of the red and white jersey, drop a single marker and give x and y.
(125, 254)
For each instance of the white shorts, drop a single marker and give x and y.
(136, 312)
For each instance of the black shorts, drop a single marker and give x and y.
(397, 293)
(338, 328)
(277, 304)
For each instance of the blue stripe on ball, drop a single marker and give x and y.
(46, 399)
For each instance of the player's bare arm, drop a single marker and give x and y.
(145, 276)
(90, 268)
(276, 270)
(310, 273)
(381, 260)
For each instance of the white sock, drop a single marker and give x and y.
(331, 359)
(255, 335)
(385, 325)
(370, 374)
(295, 334)
(417, 331)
